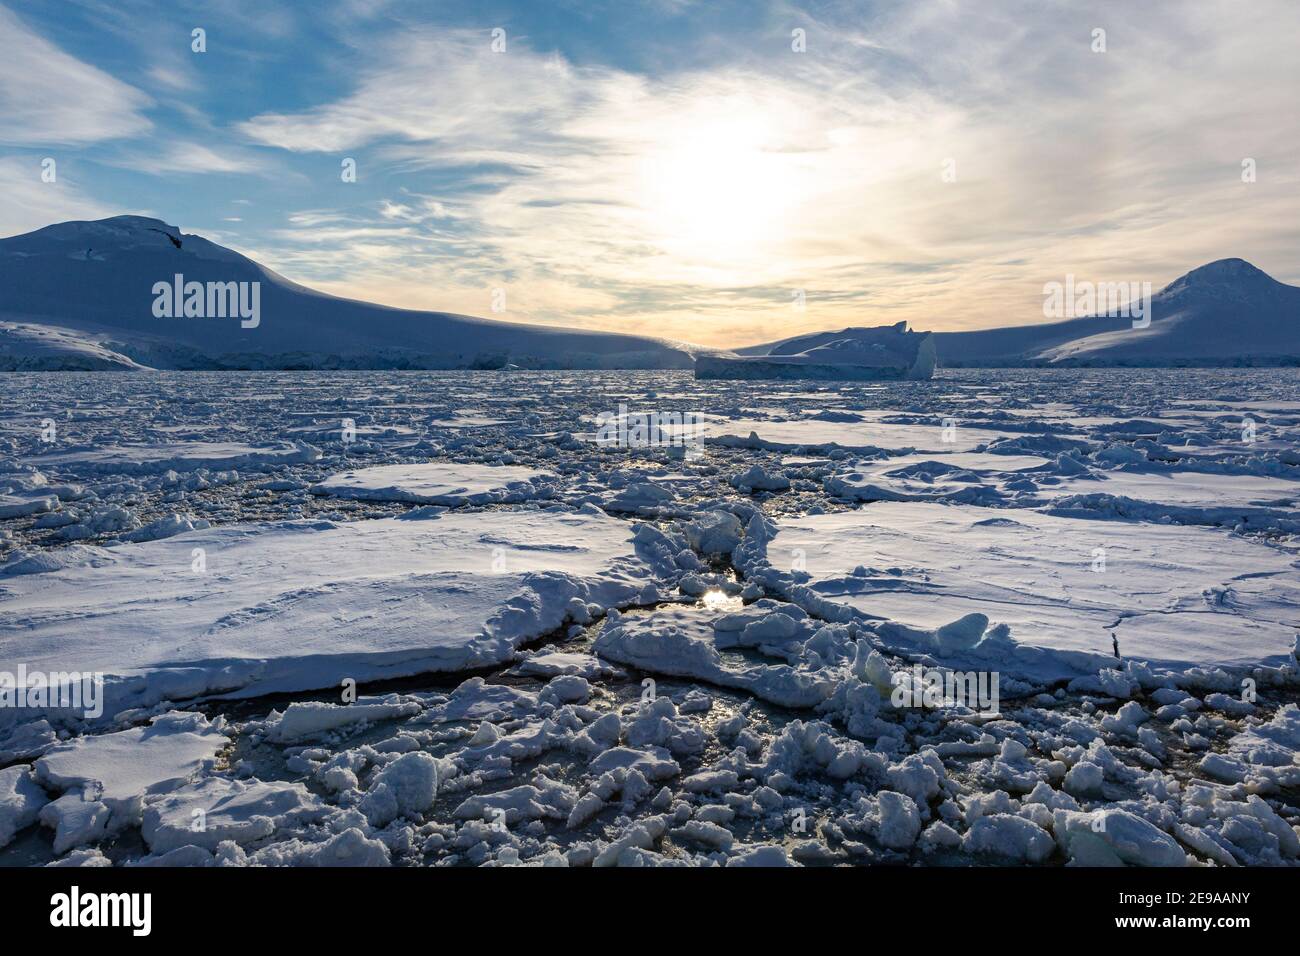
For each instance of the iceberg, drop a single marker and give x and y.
(884, 353)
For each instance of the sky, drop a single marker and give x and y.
(717, 172)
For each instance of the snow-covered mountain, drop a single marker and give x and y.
(82, 295)
(1225, 313)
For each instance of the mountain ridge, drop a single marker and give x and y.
(1225, 313)
(79, 294)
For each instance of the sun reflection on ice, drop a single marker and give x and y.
(718, 600)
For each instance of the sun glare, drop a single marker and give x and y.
(720, 190)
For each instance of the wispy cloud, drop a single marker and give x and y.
(48, 97)
(681, 202)
(191, 158)
(31, 202)
(702, 180)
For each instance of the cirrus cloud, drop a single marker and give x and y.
(48, 97)
(697, 202)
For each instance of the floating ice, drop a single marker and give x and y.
(293, 606)
(434, 483)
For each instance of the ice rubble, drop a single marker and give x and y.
(26, 491)
(1074, 486)
(305, 719)
(678, 643)
(116, 767)
(14, 506)
(528, 777)
(766, 735)
(21, 800)
(232, 811)
(105, 779)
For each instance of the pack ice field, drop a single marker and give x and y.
(624, 619)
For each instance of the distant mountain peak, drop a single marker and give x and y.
(121, 224)
(1227, 270)
(1224, 313)
(138, 222)
(113, 233)
(1222, 274)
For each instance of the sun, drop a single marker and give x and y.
(720, 189)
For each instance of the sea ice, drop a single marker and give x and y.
(435, 483)
(1061, 585)
(294, 606)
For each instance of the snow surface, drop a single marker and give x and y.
(299, 605)
(859, 436)
(174, 456)
(433, 483)
(1175, 596)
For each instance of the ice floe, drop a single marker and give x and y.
(1174, 596)
(435, 483)
(293, 606)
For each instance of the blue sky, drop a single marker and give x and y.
(672, 167)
